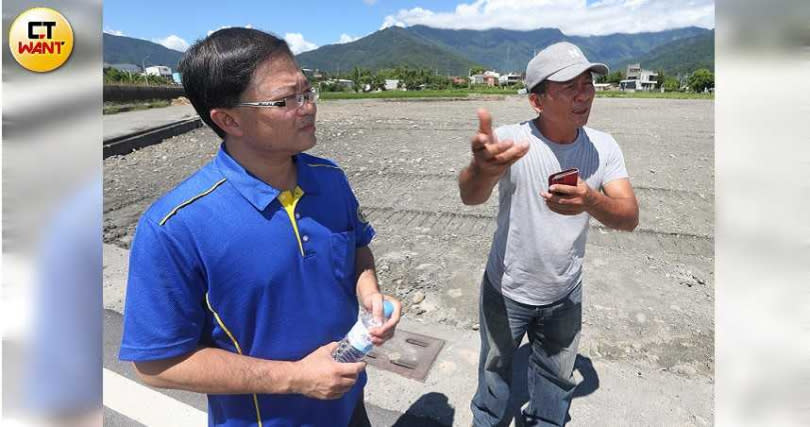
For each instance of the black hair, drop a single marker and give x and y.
(217, 69)
(539, 88)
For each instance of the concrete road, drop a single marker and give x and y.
(132, 121)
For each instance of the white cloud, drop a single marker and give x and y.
(173, 42)
(370, 2)
(298, 44)
(114, 32)
(345, 38)
(390, 21)
(573, 17)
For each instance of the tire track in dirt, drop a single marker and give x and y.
(465, 224)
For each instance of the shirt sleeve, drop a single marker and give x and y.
(164, 314)
(363, 231)
(505, 181)
(614, 168)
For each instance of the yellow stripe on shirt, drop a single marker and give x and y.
(288, 201)
(238, 350)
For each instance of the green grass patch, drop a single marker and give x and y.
(665, 95)
(120, 107)
(399, 94)
(464, 93)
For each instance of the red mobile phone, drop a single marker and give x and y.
(566, 177)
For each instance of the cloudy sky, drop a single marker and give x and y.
(307, 25)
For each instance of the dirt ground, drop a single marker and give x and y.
(648, 296)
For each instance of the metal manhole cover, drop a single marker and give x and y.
(408, 354)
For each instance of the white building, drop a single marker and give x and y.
(159, 70)
(345, 83)
(509, 79)
(639, 79)
(477, 79)
(391, 84)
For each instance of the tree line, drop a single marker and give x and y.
(115, 76)
(699, 81)
(409, 78)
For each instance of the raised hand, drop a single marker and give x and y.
(490, 156)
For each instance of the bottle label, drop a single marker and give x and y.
(359, 339)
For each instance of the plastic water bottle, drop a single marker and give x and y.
(357, 343)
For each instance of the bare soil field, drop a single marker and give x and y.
(648, 295)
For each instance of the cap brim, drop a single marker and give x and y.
(572, 71)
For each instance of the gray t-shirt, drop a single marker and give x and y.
(536, 255)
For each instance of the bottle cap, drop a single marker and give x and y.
(388, 308)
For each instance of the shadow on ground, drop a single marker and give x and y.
(436, 405)
(433, 409)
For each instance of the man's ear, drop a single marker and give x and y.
(227, 121)
(536, 102)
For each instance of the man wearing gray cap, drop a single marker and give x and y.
(533, 279)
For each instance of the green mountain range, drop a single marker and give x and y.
(126, 50)
(681, 56)
(454, 51)
(387, 48)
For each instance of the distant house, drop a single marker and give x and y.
(491, 78)
(639, 79)
(510, 79)
(477, 79)
(159, 70)
(312, 74)
(458, 80)
(345, 83)
(391, 84)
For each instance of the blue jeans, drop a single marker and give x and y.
(553, 335)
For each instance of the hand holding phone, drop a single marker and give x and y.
(566, 177)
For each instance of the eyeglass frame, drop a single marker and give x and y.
(311, 94)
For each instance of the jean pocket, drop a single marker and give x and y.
(342, 246)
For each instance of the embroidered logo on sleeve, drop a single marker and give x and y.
(361, 216)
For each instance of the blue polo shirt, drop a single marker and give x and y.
(225, 260)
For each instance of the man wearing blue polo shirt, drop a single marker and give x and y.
(243, 277)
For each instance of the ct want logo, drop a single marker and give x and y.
(40, 39)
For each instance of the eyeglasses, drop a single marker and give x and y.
(292, 102)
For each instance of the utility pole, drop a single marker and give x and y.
(508, 48)
(143, 68)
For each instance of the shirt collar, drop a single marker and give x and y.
(257, 192)
(307, 179)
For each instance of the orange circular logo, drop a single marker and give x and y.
(40, 39)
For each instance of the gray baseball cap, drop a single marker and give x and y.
(559, 62)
